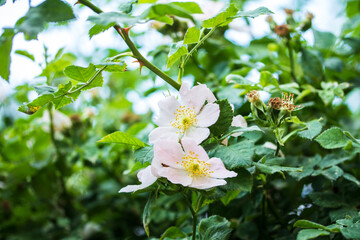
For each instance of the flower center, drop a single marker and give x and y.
(185, 117)
(194, 166)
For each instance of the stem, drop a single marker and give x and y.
(197, 46)
(291, 58)
(134, 50)
(277, 148)
(193, 212)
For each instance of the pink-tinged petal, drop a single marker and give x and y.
(197, 133)
(238, 121)
(189, 144)
(177, 176)
(196, 97)
(206, 182)
(155, 167)
(167, 108)
(145, 177)
(219, 170)
(168, 153)
(208, 115)
(162, 133)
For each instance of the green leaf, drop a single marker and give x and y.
(242, 182)
(335, 64)
(176, 51)
(275, 169)
(80, 74)
(222, 18)
(35, 105)
(325, 199)
(267, 79)
(233, 130)
(44, 89)
(107, 19)
(61, 96)
(115, 66)
(309, 224)
(241, 82)
(352, 231)
(146, 214)
(127, 6)
(2, 2)
(144, 155)
(6, 40)
(332, 138)
(123, 138)
(173, 233)
(96, 29)
(214, 228)
(230, 195)
(236, 155)
(192, 35)
(49, 11)
(324, 40)
(332, 173)
(313, 129)
(311, 234)
(224, 120)
(351, 178)
(25, 54)
(311, 65)
(254, 13)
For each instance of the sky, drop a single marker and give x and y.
(327, 13)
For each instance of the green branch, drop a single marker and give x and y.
(134, 50)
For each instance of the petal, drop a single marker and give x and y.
(162, 133)
(219, 170)
(197, 133)
(206, 182)
(238, 121)
(189, 144)
(177, 176)
(169, 153)
(196, 96)
(146, 178)
(208, 115)
(167, 108)
(155, 167)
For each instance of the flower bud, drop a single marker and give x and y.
(275, 103)
(253, 96)
(282, 30)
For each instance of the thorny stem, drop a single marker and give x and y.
(134, 50)
(291, 58)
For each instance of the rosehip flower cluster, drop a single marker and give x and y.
(183, 124)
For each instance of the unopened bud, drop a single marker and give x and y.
(269, 19)
(289, 11)
(309, 16)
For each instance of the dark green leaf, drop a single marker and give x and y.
(123, 138)
(311, 65)
(236, 155)
(352, 231)
(313, 129)
(242, 182)
(144, 155)
(332, 138)
(214, 228)
(324, 199)
(224, 120)
(275, 169)
(309, 224)
(173, 233)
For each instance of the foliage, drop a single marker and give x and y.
(65, 154)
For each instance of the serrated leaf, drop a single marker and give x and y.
(313, 129)
(332, 173)
(332, 138)
(222, 18)
(144, 155)
(275, 169)
(233, 130)
(80, 74)
(106, 19)
(96, 29)
(35, 105)
(192, 35)
(351, 231)
(176, 51)
(224, 120)
(122, 138)
(306, 234)
(25, 54)
(236, 155)
(127, 6)
(6, 40)
(214, 228)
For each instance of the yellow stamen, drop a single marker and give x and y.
(194, 166)
(185, 117)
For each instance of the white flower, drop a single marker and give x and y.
(238, 121)
(188, 164)
(145, 177)
(189, 117)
